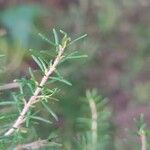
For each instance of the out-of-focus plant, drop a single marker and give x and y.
(19, 22)
(17, 28)
(95, 128)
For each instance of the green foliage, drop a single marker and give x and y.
(27, 88)
(118, 43)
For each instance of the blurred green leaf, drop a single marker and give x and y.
(20, 20)
(56, 37)
(54, 79)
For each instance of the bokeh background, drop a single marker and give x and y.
(118, 63)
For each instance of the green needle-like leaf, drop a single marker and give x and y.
(42, 63)
(31, 74)
(49, 110)
(77, 39)
(41, 119)
(38, 63)
(47, 40)
(56, 37)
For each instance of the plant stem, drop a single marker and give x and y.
(9, 86)
(94, 123)
(34, 145)
(143, 141)
(33, 98)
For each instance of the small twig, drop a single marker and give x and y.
(33, 146)
(9, 86)
(33, 98)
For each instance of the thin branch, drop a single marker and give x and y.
(9, 86)
(32, 146)
(35, 145)
(33, 98)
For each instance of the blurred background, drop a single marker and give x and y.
(118, 49)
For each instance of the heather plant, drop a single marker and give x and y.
(61, 116)
(20, 115)
(30, 105)
(96, 128)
